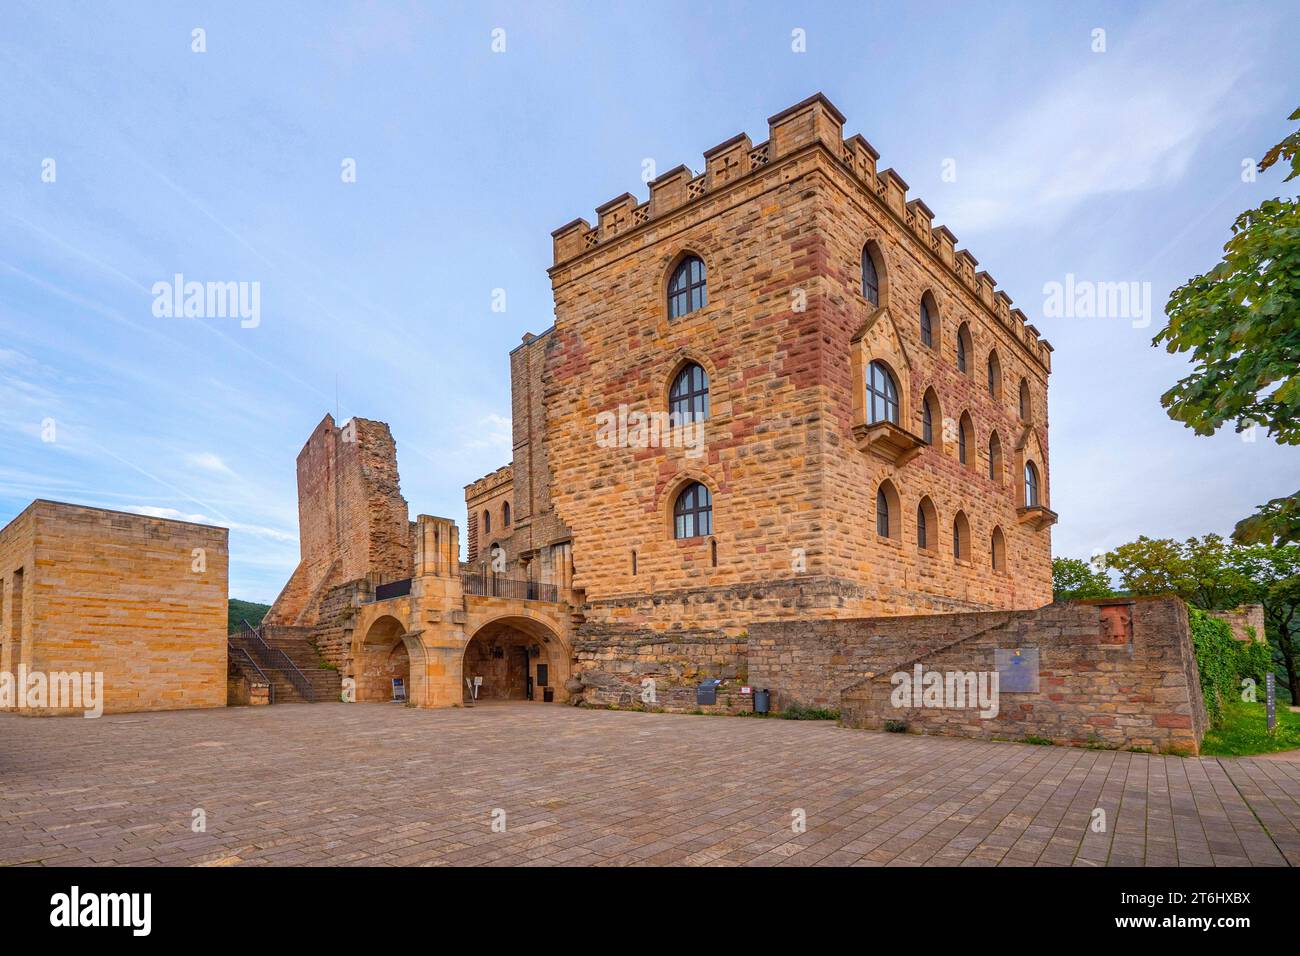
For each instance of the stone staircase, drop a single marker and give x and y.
(290, 662)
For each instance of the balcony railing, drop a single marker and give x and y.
(494, 585)
(392, 589)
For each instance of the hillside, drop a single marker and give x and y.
(238, 610)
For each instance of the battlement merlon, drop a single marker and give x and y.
(814, 121)
(490, 482)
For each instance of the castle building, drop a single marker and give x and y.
(773, 391)
(774, 387)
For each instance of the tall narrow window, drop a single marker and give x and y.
(965, 349)
(966, 441)
(693, 512)
(998, 550)
(927, 525)
(1031, 485)
(870, 278)
(882, 513)
(882, 394)
(487, 521)
(634, 564)
(688, 398)
(995, 458)
(960, 537)
(995, 376)
(1024, 401)
(927, 325)
(927, 422)
(505, 515)
(687, 290)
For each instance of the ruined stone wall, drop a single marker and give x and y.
(352, 518)
(141, 600)
(1246, 621)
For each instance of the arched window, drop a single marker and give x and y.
(888, 511)
(870, 277)
(965, 349)
(995, 376)
(693, 512)
(960, 537)
(687, 290)
(998, 550)
(1031, 485)
(995, 458)
(927, 322)
(688, 399)
(966, 441)
(1024, 401)
(882, 394)
(487, 521)
(927, 525)
(930, 418)
(505, 515)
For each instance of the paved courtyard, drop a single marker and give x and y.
(384, 784)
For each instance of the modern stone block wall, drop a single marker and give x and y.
(1117, 674)
(141, 600)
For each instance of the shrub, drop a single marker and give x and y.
(1224, 661)
(1219, 658)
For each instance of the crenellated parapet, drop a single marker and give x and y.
(815, 122)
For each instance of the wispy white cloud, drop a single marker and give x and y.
(1128, 119)
(175, 514)
(209, 461)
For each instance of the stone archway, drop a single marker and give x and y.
(386, 652)
(516, 657)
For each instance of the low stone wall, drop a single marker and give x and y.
(241, 692)
(612, 665)
(1115, 673)
(807, 663)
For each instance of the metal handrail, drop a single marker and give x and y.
(244, 655)
(281, 661)
(491, 585)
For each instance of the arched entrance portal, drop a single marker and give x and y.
(385, 655)
(518, 659)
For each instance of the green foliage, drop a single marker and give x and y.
(1038, 741)
(1074, 578)
(1254, 660)
(1244, 731)
(895, 726)
(1218, 659)
(1208, 572)
(1241, 323)
(795, 712)
(238, 611)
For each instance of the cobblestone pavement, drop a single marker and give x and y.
(383, 784)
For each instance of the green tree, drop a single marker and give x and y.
(1205, 572)
(1074, 578)
(1241, 323)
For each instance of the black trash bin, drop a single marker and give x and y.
(707, 692)
(762, 701)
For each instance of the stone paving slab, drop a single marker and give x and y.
(375, 784)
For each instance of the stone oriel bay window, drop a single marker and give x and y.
(881, 391)
(1031, 491)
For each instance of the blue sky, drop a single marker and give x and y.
(1123, 165)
